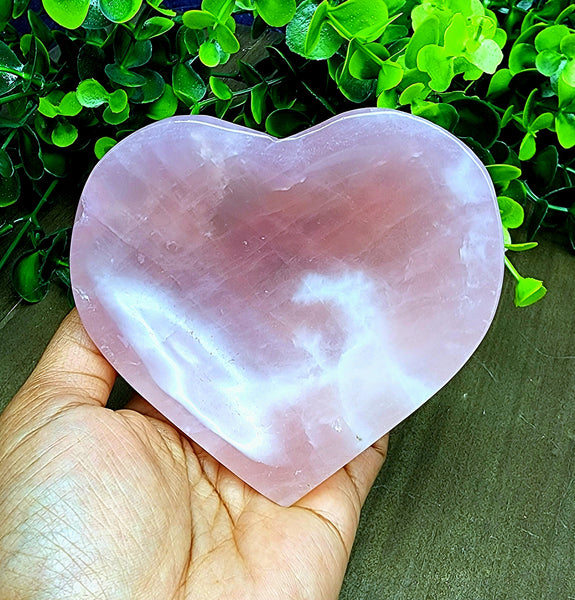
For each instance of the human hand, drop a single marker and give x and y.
(114, 505)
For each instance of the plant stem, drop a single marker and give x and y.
(247, 90)
(31, 218)
(562, 209)
(513, 270)
(9, 139)
(11, 97)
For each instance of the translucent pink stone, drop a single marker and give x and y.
(286, 303)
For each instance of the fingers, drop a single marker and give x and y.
(363, 469)
(138, 404)
(71, 371)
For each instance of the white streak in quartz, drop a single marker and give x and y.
(179, 351)
(168, 344)
(366, 367)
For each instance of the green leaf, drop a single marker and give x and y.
(27, 277)
(543, 121)
(187, 84)
(549, 62)
(90, 61)
(416, 91)
(329, 40)
(282, 97)
(46, 108)
(426, 33)
(522, 57)
(538, 214)
(521, 247)
(365, 20)
(68, 13)
(221, 9)
(528, 291)
(30, 153)
(64, 134)
(116, 118)
(155, 4)
(502, 174)
(389, 76)
(102, 146)
(9, 189)
(118, 100)
(54, 163)
(122, 76)
(220, 89)
(276, 13)
(95, 19)
(56, 251)
(198, 19)
(529, 109)
(221, 107)
(150, 91)
(387, 99)
(499, 83)
(165, 106)
(209, 54)
(39, 29)
(284, 122)
(315, 27)
(120, 11)
(550, 38)
(568, 72)
(258, 101)
(6, 166)
(565, 127)
(353, 89)
(507, 115)
(545, 166)
(19, 8)
(435, 61)
(9, 62)
(568, 45)
(455, 35)
(137, 55)
(442, 114)
(512, 213)
(487, 57)
(5, 12)
(477, 120)
(227, 39)
(91, 94)
(69, 105)
(248, 73)
(154, 27)
(190, 41)
(362, 66)
(528, 147)
(42, 128)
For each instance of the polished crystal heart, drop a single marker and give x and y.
(287, 302)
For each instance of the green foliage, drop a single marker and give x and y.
(68, 13)
(500, 75)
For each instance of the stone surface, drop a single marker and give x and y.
(286, 303)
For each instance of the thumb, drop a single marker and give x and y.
(71, 372)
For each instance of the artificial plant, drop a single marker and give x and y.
(79, 75)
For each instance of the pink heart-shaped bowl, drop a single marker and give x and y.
(287, 302)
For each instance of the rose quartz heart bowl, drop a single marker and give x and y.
(286, 303)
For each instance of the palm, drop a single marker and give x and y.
(103, 504)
